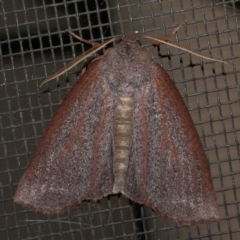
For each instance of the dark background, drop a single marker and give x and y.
(34, 44)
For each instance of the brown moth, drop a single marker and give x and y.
(122, 128)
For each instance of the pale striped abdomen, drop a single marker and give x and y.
(122, 140)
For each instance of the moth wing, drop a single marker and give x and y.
(73, 160)
(168, 169)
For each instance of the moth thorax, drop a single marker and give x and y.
(122, 140)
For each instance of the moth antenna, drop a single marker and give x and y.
(175, 45)
(166, 38)
(82, 39)
(78, 59)
(97, 46)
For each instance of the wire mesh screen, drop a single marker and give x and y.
(34, 44)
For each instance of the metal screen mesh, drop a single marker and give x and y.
(34, 44)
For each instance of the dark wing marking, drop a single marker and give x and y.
(168, 169)
(73, 160)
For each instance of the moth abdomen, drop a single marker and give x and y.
(122, 140)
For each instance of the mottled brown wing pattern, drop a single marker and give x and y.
(168, 169)
(73, 160)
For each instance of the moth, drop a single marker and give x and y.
(122, 128)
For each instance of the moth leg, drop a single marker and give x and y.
(166, 38)
(86, 64)
(82, 39)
